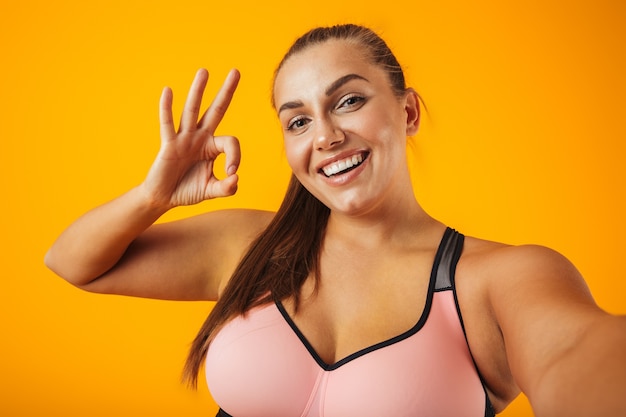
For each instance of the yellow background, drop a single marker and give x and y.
(524, 142)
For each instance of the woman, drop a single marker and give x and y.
(350, 300)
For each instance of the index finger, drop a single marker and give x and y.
(216, 111)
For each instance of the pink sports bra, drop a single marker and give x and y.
(261, 365)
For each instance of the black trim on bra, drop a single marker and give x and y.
(222, 413)
(449, 259)
(441, 250)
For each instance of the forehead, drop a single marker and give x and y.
(315, 67)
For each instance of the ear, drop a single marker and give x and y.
(412, 109)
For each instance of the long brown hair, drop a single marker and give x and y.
(287, 251)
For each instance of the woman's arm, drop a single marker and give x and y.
(566, 354)
(589, 379)
(114, 248)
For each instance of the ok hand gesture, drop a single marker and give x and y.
(183, 172)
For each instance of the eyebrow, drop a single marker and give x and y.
(331, 89)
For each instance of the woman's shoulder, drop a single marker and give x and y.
(252, 216)
(507, 257)
(234, 220)
(528, 270)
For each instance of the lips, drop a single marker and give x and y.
(346, 164)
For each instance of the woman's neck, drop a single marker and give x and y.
(392, 222)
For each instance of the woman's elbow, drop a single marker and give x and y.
(64, 270)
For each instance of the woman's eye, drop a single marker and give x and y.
(297, 123)
(351, 101)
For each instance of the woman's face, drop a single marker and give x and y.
(344, 128)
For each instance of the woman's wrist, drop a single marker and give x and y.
(153, 203)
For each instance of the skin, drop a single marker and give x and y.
(531, 322)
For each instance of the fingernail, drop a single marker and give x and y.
(231, 170)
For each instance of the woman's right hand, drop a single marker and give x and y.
(183, 172)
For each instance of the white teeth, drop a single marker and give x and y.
(339, 166)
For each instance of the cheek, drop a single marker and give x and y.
(297, 153)
(381, 128)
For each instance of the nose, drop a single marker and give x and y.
(327, 134)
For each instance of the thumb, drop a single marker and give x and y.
(224, 188)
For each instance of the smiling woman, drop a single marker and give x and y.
(351, 300)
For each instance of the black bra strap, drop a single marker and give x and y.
(452, 248)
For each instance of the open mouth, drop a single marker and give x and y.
(344, 165)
